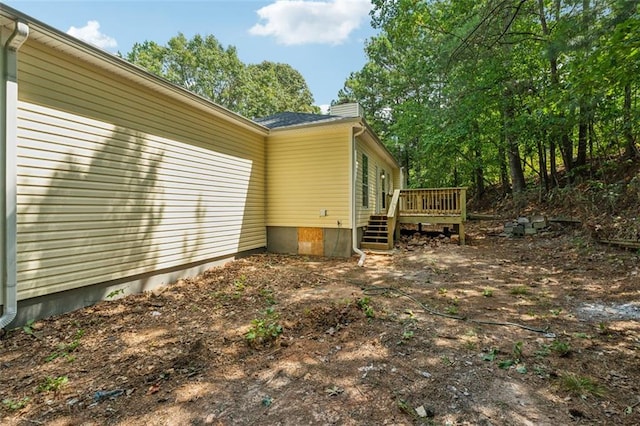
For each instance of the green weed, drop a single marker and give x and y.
(12, 405)
(240, 283)
(407, 335)
(268, 296)
(487, 292)
(114, 293)
(451, 310)
(365, 307)
(264, 331)
(64, 349)
(52, 384)
(491, 355)
(28, 327)
(544, 351)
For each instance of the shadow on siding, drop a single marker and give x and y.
(92, 221)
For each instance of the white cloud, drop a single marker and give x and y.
(301, 22)
(91, 34)
(324, 108)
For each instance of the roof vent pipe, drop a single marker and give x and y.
(8, 128)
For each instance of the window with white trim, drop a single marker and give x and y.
(365, 180)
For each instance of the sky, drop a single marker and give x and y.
(323, 39)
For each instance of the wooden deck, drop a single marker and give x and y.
(433, 206)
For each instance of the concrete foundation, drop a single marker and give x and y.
(70, 300)
(328, 242)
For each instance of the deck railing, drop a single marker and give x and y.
(433, 202)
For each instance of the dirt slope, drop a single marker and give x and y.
(350, 353)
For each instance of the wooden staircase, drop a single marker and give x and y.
(376, 235)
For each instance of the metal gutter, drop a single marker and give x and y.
(8, 175)
(354, 172)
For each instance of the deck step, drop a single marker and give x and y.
(376, 235)
(374, 246)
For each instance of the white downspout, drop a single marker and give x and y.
(354, 172)
(8, 157)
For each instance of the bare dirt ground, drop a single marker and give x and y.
(332, 343)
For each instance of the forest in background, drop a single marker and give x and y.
(507, 94)
(204, 66)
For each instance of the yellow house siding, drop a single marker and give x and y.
(115, 180)
(374, 160)
(309, 171)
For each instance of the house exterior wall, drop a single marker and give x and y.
(376, 162)
(308, 190)
(117, 180)
(308, 172)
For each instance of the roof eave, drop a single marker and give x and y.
(58, 40)
(300, 126)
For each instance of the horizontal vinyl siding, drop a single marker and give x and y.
(115, 180)
(363, 213)
(308, 171)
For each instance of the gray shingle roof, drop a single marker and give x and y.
(286, 119)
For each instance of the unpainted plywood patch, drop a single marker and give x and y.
(311, 241)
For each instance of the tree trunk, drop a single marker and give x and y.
(513, 151)
(631, 151)
(583, 120)
(553, 167)
(560, 132)
(479, 171)
(504, 171)
(583, 132)
(542, 165)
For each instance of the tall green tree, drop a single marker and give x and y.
(485, 91)
(202, 65)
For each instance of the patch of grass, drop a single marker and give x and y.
(487, 292)
(602, 327)
(52, 384)
(442, 291)
(12, 405)
(516, 352)
(555, 312)
(264, 331)
(446, 360)
(563, 349)
(580, 386)
(520, 290)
